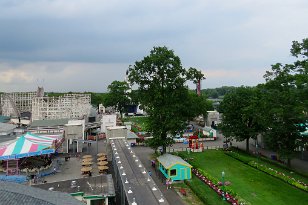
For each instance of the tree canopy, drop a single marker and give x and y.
(286, 101)
(240, 114)
(97, 98)
(274, 109)
(117, 95)
(218, 92)
(162, 91)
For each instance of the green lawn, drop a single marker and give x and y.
(140, 121)
(204, 191)
(190, 198)
(274, 166)
(252, 185)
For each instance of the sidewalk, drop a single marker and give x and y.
(69, 170)
(297, 164)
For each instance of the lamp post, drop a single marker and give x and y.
(257, 151)
(96, 143)
(223, 185)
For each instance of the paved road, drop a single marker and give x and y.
(144, 154)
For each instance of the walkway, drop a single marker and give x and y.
(68, 170)
(144, 154)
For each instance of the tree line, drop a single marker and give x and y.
(277, 109)
(217, 92)
(274, 109)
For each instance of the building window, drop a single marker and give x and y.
(172, 172)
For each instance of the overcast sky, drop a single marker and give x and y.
(83, 45)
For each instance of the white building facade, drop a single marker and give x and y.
(71, 106)
(108, 121)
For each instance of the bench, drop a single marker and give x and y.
(183, 191)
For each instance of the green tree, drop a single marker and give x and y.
(286, 102)
(117, 96)
(218, 92)
(97, 98)
(199, 105)
(163, 93)
(240, 115)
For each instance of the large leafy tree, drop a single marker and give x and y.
(241, 117)
(118, 96)
(97, 98)
(162, 90)
(199, 105)
(286, 101)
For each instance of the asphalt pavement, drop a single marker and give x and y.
(71, 169)
(144, 154)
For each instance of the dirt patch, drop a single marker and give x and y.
(190, 198)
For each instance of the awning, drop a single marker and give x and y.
(30, 145)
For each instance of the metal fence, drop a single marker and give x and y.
(187, 149)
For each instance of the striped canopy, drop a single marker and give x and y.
(29, 145)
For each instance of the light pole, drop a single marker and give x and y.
(223, 185)
(96, 143)
(257, 151)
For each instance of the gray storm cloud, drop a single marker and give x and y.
(94, 41)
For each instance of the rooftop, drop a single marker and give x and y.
(138, 186)
(168, 160)
(131, 135)
(208, 129)
(98, 185)
(16, 194)
(116, 128)
(4, 118)
(4, 127)
(49, 123)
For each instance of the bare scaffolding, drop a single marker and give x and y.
(12, 104)
(72, 106)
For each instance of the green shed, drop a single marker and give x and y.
(174, 167)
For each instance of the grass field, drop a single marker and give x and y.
(273, 166)
(254, 186)
(190, 198)
(140, 121)
(205, 192)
